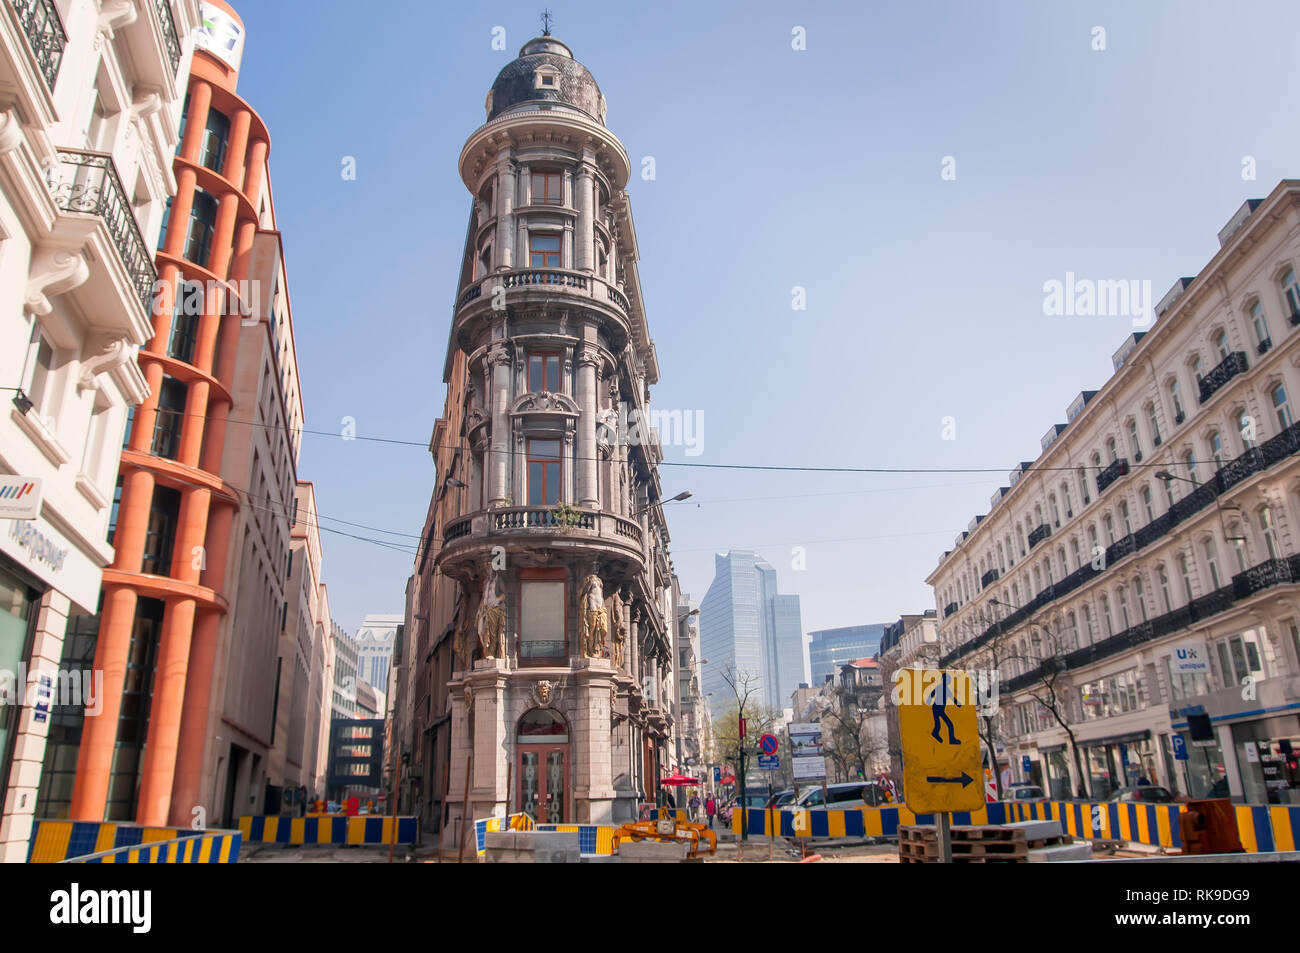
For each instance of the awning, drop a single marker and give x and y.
(1116, 739)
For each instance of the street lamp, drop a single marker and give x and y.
(684, 495)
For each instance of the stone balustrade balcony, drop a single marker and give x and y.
(473, 535)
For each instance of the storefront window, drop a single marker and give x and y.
(1266, 756)
(16, 604)
(1058, 775)
(1103, 779)
(62, 746)
(1205, 769)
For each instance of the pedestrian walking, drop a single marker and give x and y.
(710, 808)
(694, 804)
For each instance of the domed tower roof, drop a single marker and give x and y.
(546, 72)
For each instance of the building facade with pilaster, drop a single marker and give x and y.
(1144, 570)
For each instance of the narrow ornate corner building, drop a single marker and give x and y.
(540, 613)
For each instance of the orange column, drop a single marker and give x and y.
(99, 732)
(243, 255)
(173, 664)
(133, 519)
(196, 408)
(237, 148)
(198, 691)
(146, 414)
(178, 219)
(209, 327)
(256, 169)
(223, 235)
(196, 120)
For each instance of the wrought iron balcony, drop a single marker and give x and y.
(1112, 473)
(949, 609)
(88, 182)
(989, 577)
(1273, 572)
(1232, 365)
(171, 42)
(45, 35)
(1038, 534)
(1294, 318)
(1264, 345)
(1124, 546)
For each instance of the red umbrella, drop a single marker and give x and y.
(679, 781)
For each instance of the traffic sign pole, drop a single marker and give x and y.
(945, 839)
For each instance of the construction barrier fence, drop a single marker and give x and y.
(330, 829)
(594, 840)
(1267, 828)
(96, 842)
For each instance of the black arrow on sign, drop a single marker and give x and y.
(964, 780)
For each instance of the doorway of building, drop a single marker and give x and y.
(542, 766)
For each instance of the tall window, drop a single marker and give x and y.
(1110, 529)
(1065, 498)
(541, 619)
(203, 219)
(1260, 324)
(1281, 407)
(1212, 561)
(1163, 578)
(1155, 424)
(112, 514)
(543, 250)
(39, 389)
(185, 321)
(1189, 460)
(544, 372)
(1185, 571)
(1123, 515)
(171, 414)
(1216, 450)
(216, 136)
(1176, 398)
(543, 472)
(1245, 429)
(548, 188)
(1221, 342)
(1266, 527)
(1291, 291)
(1074, 548)
(1148, 504)
(1139, 595)
(1083, 486)
(160, 537)
(1196, 368)
(1133, 442)
(1111, 449)
(1056, 513)
(1107, 627)
(1123, 608)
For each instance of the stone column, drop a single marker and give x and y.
(588, 359)
(586, 256)
(491, 722)
(566, 247)
(505, 210)
(593, 792)
(522, 239)
(499, 447)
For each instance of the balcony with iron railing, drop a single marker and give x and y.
(46, 37)
(1232, 365)
(88, 183)
(989, 578)
(1106, 477)
(170, 40)
(1038, 534)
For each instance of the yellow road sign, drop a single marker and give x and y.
(939, 731)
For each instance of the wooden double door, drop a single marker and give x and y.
(543, 772)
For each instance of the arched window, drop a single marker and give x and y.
(1148, 504)
(1111, 449)
(1265, 517)
(1092, 542)
(1221, 342)
(1123, 609)
(1065, 498)
(1123, 515)
(1216, 450)
(1162, 577)
(1185, 571)
(1139, 596)
(1281, 407)
(1176, 399)
(1074, 548)
(1291, 292)
(1110, 529)
(1237, 540)
(1212, 561)
(1189, 460)
(1154, 424)
(1260, 325)
(1195, 364)
(1106, 626)
(1083, 486)
(1002, 562)
(1247, 428)
(1133, 442)
(1056, 513)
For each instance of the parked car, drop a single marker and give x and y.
(1146, 794)
(780, 799)
(839, 797)
(1024, 792)
(752, 800)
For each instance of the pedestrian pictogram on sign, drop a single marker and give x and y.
(767, 744)
(939, 731)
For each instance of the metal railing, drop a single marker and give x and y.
(88, 182)
(45, 35)
(1232, 365)
(171, 41)
(1038, 534)
(1112, 473)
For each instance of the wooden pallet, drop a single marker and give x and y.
(969, 845)
(1059, 840)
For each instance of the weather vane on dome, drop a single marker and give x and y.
(546, 23)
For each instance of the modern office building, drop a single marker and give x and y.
(375, 649)
(87, 130)
(195, 600)
(828, 649)
(343, 703)
(1145, 569)
(745, 624)
(559, 610)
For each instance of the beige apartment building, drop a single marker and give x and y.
(1142, 575)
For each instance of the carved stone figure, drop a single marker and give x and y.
(544, 692)
(618, 631)
(593, 625)
(492, 619)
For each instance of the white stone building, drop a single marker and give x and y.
(90, 103)
(1158, 529)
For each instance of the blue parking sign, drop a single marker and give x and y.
(1180, 748)
(717, 775)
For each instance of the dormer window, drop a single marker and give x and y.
(546, 77)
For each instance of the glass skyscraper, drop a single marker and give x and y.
(831, 648)
(747, 625)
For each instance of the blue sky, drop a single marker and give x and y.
(775, 168)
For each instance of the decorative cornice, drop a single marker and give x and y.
(54, 271)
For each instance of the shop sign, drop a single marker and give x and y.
(1190, 658)
(46, 553)
(20, 498)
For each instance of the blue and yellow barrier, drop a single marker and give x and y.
(96, 842)
(1269, 828)
(594, 840)
(332, 829)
